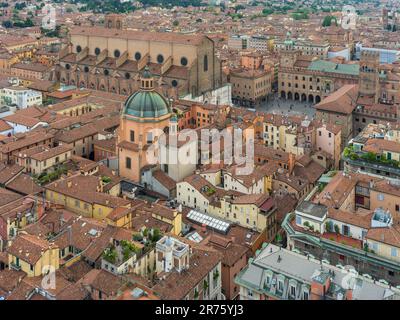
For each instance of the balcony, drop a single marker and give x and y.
(373, 165)
(370, 160)
(15, 266)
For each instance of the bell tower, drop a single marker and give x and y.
(113, 21)
(288, 54)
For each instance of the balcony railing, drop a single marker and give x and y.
(15, 266)
(376, 166)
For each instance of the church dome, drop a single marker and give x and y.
(146, 103)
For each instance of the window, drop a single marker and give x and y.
(293, 291)
(184, 61)
(128, 163)
(106, 72)
(132, 136)
(149, 137)
(280, 285)
(160, 58)
(380, 197)
(127, 75)
(393, 252)
(298, 220)
(305, 295)
(78, 48)
(31, 267)
(249, 292)
(86, 69)
(97, 51)
(205, 63)
(117, 53)
(174, 83)
(138, 56)
(397, 207)
(77, 203)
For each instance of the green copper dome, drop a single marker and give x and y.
(146, 103)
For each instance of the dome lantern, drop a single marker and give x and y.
(146, 104)
(146, 80)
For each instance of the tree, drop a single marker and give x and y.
(327, 22)
(175, 23)
(7, 24)
(267, 11)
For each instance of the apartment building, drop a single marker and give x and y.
(280, 274)
(32, 71)
(20, 97)
(306, 47)
(201, 279)
(348, 223)
(251, 88)
(32, 255)
(83, 194)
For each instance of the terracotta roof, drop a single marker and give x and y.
(78, 133)
(164, 179)
(9, 279)
(390, 236)
(85, 188)
(103, 281)
(202, 261)
(22, 120)
(24, 184)
(9, 172)
(256, 199)
(51, 152)
(138, 35)
(36, 67)
(73, 292)
(25, 142)
(355, 219)
(7, 196)
(29, 248)
(380, 145)
(341, 101)
(4, 126)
